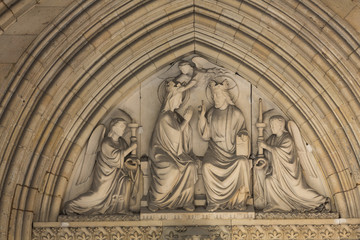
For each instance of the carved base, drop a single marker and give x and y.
(201, 229)
(296, 215)
(98, 218)
(199, 214)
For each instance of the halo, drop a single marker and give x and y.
(118, 113)
(233, 88)
(161, 92)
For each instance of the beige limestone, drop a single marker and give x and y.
(336, 41)
(227, 229)
(34, 21)
(10, 52)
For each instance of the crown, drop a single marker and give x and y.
(216, 86)
(172, 86)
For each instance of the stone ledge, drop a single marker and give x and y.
(98, 218)
(199, 214)
(196, 222)
(200, 229)
(296, 215)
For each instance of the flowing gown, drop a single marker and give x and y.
(114, 189)
(226, 175)
(285, 188)
(173, 168)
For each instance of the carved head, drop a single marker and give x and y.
(185, 67)
(118, 126)
(221, 94)
(174, 95)
(277, 124)
(172, 86)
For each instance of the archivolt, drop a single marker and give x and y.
(297, 53)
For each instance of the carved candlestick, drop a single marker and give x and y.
(133, 162)
(133, 127)
(260, 160)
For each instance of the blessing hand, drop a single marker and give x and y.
(188, 114)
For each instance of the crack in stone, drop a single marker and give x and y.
(23, 210)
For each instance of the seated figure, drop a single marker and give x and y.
(226, 172)
(173, 167)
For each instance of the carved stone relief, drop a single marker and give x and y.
(225, 167)
(173, 166)
(210, 167)
(272, 230)
(282, 162)
(112, 168)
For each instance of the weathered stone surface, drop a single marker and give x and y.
(222, 229)
(200, 214)
(34, 21)
(318, 39)
(13, 46)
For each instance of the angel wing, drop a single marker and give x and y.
(312, 172)
(202, 63)
(82, 174)
(199, 62)
(305, 162)
(91, 151)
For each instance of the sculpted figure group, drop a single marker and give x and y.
(279, 184)
(173, 166)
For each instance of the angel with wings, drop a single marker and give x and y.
(116, 179)
(280, 182)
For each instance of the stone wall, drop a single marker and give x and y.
(65, 64)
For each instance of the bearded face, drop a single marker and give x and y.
(219, 99)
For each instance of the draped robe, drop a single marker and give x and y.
(226, 175)
(285, 188)
(114, 189)
(172, 166)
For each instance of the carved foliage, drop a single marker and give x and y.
(296, 232)
(246, 232)
(97, 233)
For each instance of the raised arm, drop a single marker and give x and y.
(187, 86)
(203, 125)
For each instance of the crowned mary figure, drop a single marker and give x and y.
(173, 167)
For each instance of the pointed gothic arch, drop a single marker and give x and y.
(299, 54)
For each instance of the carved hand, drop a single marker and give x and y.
(244, 137)
(132, 147)
(188, 114)
(263, 145)
(202, 109)
(261, 163)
